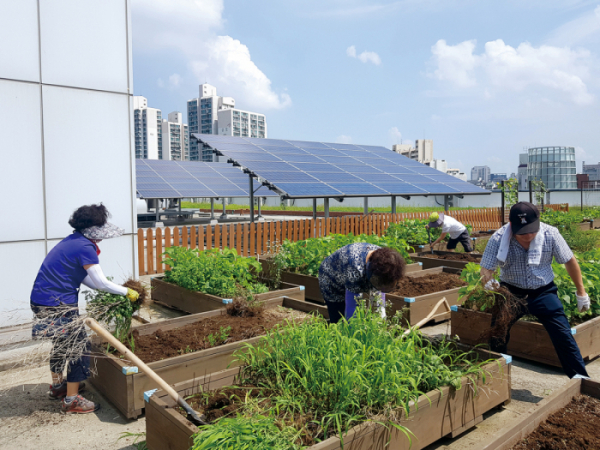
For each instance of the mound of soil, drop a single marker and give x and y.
(575, 427)
(224, 402)
(415, 286)
(467, 257)
(197, 336)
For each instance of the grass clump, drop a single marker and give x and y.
(324, 379)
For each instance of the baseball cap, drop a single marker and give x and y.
(524, 218)
(436, 220)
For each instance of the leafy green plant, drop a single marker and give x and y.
(306, 256)
(540, 190)
(473, 296)
(219, 338)
(510, 191)
(139, 445)
(217, 272)
(412, 231)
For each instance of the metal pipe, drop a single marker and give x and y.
(326, 207)
(259, 201)
(530, 192)
(251, 199)
(502, 203)
(393, 204)
(212, 209)
(314, 208)
(224, 215)
(366, 206)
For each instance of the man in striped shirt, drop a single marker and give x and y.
(524, 249)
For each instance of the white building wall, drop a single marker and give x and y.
(53, 156)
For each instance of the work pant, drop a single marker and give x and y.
(70, 344)
(544, 304)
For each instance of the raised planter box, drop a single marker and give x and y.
(419, 307)
(429, 263)
(528, 340)
(312, 291)
(584, 226)
(193, 302)
(124, 387)
(446, 412)
(510, 435)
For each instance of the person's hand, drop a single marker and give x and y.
(583, 302)
(486, 275)
(132, 295)
(491, 285)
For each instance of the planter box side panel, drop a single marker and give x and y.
(183, 299)
(312, 291)
(116, 387)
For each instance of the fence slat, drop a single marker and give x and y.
(246, 246)
(141, 252)
(193, 237)
(150, 250)
(176, 237)
(167, 238)
(201, 238)
(274, 236)
(252, 237)
(209, 239)
(184, 237)
(238, 243)
(218, 230)
(159, 251)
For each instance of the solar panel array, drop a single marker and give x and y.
(183, 179)
(316, 169)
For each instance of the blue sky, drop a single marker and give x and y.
(483, 79)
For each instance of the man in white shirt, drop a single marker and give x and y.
(458, 232)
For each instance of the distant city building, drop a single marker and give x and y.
(457, 173)
(522, 172)
(439, 164)
(147, 129)
(480, 173)
(422, 151)
(496, 177)
(555, 166)
(205, 113)
(592, 170)
(175, 138)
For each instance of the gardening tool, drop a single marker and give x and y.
(432, 314)
(128, 354)
(429, 234)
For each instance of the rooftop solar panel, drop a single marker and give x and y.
(316, 169)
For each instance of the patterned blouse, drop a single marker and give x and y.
(346, 269)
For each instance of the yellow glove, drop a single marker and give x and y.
(132, 295)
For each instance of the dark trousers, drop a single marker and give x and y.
(70, 344)
(336, 310)
(545, 305)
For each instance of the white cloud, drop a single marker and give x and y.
(364, 57)
(502, 68)
(343, 139)
(191, 29)
(578, 30)
(395, 135)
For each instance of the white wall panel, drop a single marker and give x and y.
(87, 153)
(21, 167)
(19, 265)
(19, 48)
(84, 43)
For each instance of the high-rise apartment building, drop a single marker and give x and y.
(422, 151)
(480, 173)
(555, 166)
(592, 170)
(147, 129)
(175, 138)
(207, 111)
(522, 172)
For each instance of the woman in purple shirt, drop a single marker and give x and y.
(54, 301)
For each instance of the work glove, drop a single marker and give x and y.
(133, 295)
(491, 285)
(583, 302)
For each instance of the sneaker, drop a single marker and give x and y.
(79, 405)
(60, 392)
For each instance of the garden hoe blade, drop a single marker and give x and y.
(429, 234)
(128, 354)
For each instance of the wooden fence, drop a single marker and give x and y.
(261, 238)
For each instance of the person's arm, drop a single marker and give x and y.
(489, 260)
(99, 280)
(574, 272)
(88, 282)
(440, 239)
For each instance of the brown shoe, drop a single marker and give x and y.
(79, 405)
(60, 392)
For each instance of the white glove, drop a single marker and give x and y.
(491, 285)
(583, 302)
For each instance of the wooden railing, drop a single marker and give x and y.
(252, 239)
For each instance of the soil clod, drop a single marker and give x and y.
(415, 286)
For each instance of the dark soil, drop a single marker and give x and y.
(139, 287)
(467, 257)
(196, 336)
(415, 286)
(575, 427)
(224, 402)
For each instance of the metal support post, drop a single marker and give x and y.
(224, 215)
(251, 199)
(393, 204)
(502, 203)
(530, 191)
(447, 199)
(259, 201)
(326, 207)
(212, 209)
(582, 196)
(314, 208)
(366, 207)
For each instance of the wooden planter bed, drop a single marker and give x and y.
(584, 226)
(528, 340)
(428, 262)
(124, 387)
(312, 291)
(193, 302)
(436, 414)
(528, 422)
(417, 308)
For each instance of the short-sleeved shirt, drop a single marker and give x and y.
(516, 270)
(346, 269)
(453, 227)
(62, 271)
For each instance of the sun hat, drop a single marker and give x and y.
(106, 231)
(436, 220)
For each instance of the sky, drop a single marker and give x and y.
(483, 79)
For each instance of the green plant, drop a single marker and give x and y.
(473, 295)
(306, 256)
(219, 338)
(216, 272)
(412, 231)
(510, 190)
(141, 445)
(540, 190)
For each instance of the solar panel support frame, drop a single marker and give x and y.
(212, 209)
(314, 208)
(224, 215)
(326, 207)
(366, 206)
(393, 204)
(251, 187)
